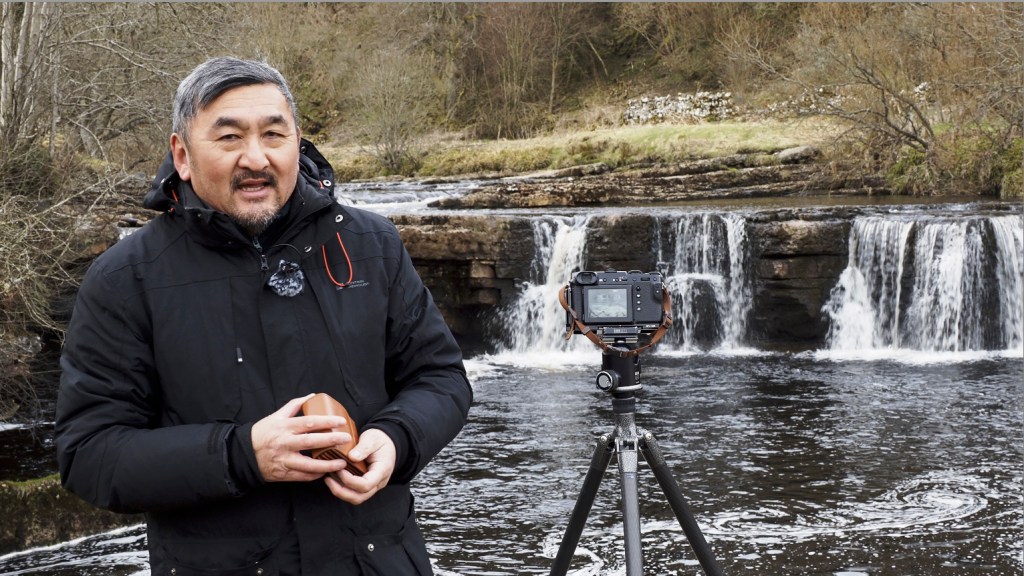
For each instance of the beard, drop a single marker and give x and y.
(255, 219)
(256, 223)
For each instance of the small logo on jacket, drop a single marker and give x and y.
(353, 284)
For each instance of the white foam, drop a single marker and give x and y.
(917, 357)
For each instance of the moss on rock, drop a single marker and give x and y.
(41, 512)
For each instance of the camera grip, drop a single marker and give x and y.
(323, 405)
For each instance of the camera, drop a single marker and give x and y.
(616, 305)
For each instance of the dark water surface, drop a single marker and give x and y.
(793, 464)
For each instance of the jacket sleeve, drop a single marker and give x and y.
(425, 375)
(112, 450)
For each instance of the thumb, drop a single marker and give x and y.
(370, 441)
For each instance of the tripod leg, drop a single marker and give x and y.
(652, 453)
(630, 506)
(598, 466)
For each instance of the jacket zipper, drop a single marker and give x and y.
(264, 265)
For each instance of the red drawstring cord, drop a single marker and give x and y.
(323, 249)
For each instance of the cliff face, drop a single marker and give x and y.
(472, 263)
(796, 263)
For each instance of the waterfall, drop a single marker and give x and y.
(1009, 235)
(930, 284)
(709, 280)
(536, 321)
(707, 277)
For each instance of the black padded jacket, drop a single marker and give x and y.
(177, 345)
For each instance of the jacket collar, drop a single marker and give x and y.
(314, 190)
(214, 228)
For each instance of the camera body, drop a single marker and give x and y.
(616, 304)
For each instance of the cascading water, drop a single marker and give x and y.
(930, 284)
(708, 279)
(536, 322)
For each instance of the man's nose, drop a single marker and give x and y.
(253, 157)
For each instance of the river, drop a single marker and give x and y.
(876, 458)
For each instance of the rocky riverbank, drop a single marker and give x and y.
(790, 172)
(474, 262)
(40, 513)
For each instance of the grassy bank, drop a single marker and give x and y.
(448, 155)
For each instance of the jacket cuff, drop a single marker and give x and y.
(405, 465)
(244, 469)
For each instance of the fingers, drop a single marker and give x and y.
(290, 412)
(280, 439)
(356, 489)
(378, 450)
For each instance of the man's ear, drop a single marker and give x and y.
(180, 154)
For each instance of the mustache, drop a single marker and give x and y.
(238, 178)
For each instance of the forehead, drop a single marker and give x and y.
(254, 102)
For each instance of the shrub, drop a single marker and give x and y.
(39, 245)
(911, 174)
(1011, 165)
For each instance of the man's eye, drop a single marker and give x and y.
(228, 137)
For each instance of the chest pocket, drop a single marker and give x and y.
(194, 347)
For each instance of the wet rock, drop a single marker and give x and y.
(41, 512)
(473, 264)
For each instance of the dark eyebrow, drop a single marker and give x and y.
(229, 122)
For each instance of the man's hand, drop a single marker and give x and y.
(279, 439)
(378, 450)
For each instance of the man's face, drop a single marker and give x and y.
(242, 157)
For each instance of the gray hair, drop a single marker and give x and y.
(215, 77)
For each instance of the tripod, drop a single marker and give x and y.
(619, 376)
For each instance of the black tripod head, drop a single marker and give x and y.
(620, 372)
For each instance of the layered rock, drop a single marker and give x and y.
(473, 264)
(789, 172)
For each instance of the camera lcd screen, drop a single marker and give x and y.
(607, 304)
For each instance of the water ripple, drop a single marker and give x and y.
(907, 510)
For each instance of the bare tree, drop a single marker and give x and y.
(572, 29)
(932, 92)
(91, 79)
(393, 97)
(94, 74)
(120, 64)
(682, 35)
(451, 27)
(25, 61)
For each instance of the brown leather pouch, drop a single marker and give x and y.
(323, 405)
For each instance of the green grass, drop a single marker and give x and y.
(446, 155)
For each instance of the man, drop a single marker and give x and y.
(195, 341)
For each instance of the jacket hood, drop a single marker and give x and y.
(313, 168)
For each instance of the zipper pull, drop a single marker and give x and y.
(264, 266)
